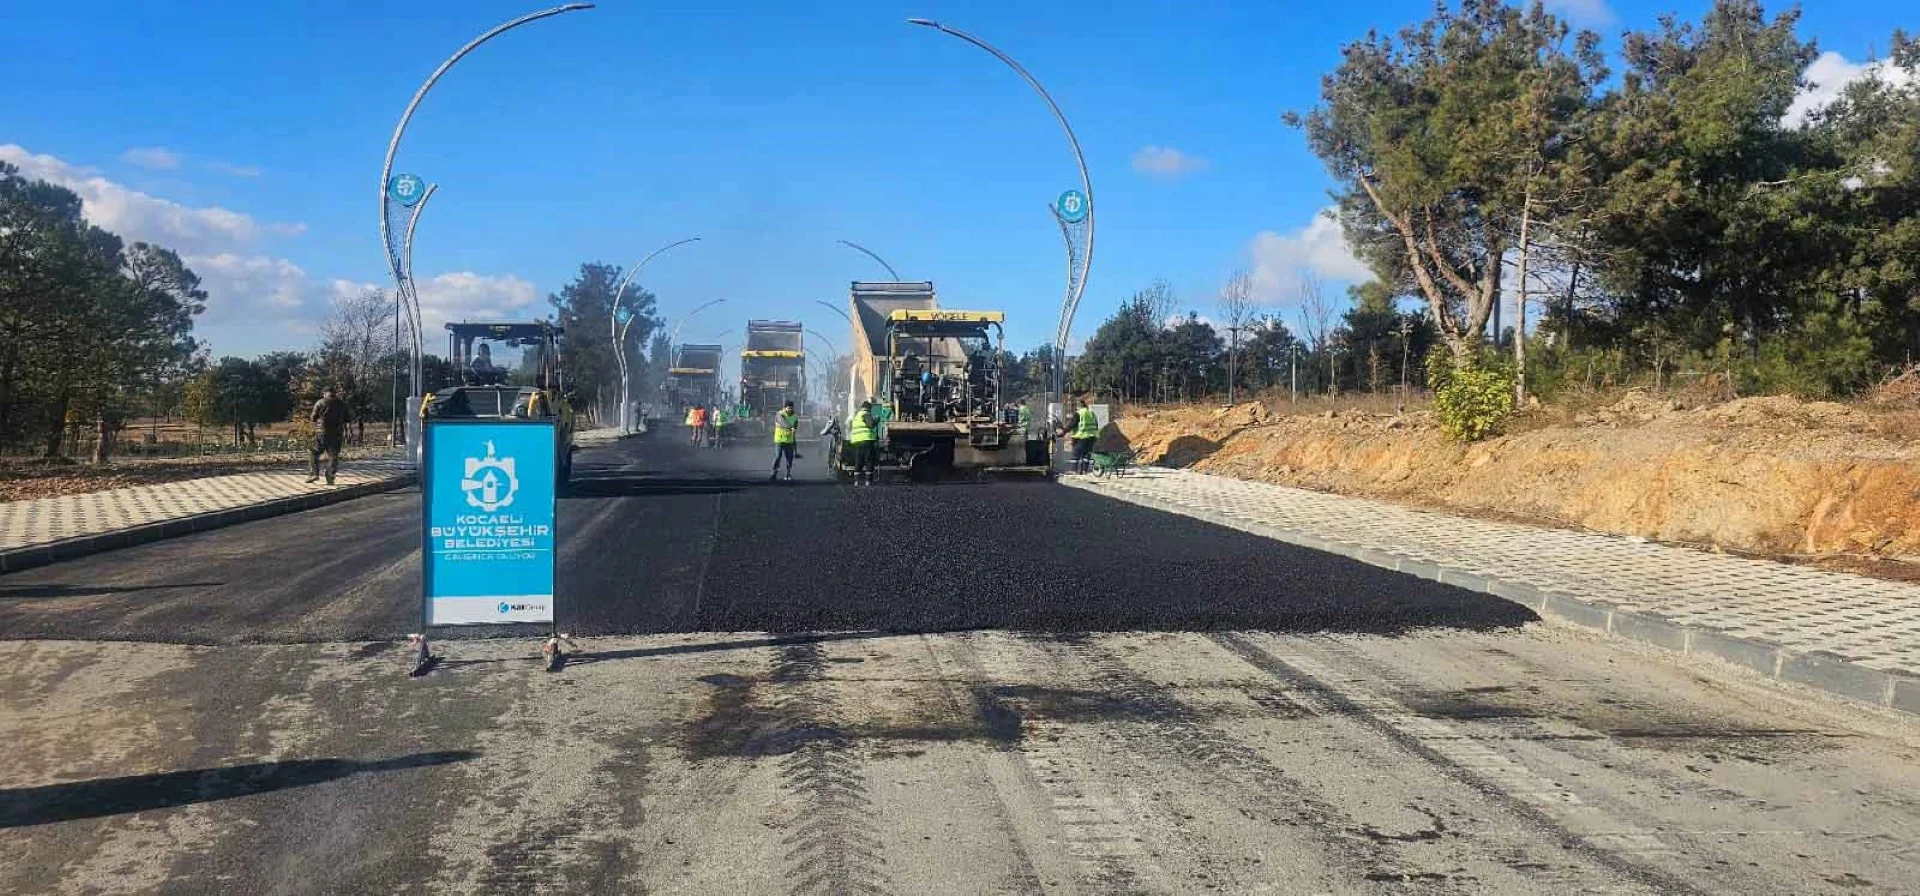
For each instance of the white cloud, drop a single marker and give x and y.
(1174, 320)
(1829, 76)
(1584, 13)
(134, 215)
(235, 170)
(248, 291)
(1166, 162)
(158, 158)
(465, 295)
(249, 287)
(1319, 247)
(256, 301)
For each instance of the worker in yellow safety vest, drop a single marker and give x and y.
(860, 441)
(1086, 431)
(786, 426)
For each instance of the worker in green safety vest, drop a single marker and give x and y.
(1086, 431)
(860, 440)
(785, 428)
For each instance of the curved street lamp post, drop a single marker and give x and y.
(405, 306)
(870, 254)
(617, 330)
(398, 266)
(835, 309)
(1076, 273)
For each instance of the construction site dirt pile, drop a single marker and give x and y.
(1770, 475)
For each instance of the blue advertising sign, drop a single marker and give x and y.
(406, 189)
(488, 490)
(1071, 206)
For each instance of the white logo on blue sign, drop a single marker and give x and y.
(406, 189)
(1071, 206)
(489, 482)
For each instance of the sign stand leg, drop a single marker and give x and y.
(423, 658)
(555, 651)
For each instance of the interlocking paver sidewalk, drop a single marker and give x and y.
(64, 524)
(1855, 635)
(588, 438)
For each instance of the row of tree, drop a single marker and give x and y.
(1674, 210)
(1145, 352)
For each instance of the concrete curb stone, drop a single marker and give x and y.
(1831, 674)
(84, 545)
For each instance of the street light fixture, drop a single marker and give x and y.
(617, 330)
(402, 277)
(399, 267)
(404, 304)
(1076, 280)
(870, 254)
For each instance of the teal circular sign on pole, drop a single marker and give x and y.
(623, 315)
(1071, 206)
(406, 189)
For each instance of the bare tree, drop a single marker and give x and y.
(1236, 308)
(356, 342)
(1316, 311)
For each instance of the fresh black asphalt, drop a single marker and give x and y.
(661, 537)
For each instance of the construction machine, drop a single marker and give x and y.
(773, 371)
(936, 373)
(508, 370)
(694, 379)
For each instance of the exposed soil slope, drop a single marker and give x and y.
(1770, 475)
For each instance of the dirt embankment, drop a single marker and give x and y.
(1765, 475)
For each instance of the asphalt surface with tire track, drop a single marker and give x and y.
(658, 537)
(800, 689)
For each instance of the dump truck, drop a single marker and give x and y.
(936, 371)
(773, 371)
(694, 379)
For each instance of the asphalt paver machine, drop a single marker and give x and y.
(936, 373)
(508, 370)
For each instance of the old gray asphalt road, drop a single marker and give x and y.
(1345, 743)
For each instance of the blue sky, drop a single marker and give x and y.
(249, 136)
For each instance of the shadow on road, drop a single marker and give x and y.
(583, 659)
(52, 591)
(25, 806)
(590, 657)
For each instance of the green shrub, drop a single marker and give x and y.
(1823, 357)
(1472, 400)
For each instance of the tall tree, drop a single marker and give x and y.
(1194, 356)
(1432, 137)
(1124, 356)
(1702, 240)
(583, 308)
